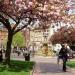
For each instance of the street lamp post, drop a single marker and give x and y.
(45, 35)
(1, 39)
(45, 45)
(1, 43)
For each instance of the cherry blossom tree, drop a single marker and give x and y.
(25, 13)
(64, 35)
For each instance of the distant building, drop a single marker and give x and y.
(37, 37)
(3, 36)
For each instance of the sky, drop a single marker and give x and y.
(71, 4)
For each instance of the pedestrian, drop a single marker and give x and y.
(26, 54)
(63, 54)
(1, 56)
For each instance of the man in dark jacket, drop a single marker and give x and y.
(64, 56)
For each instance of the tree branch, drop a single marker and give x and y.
(5, 22)
(8, 15)
(17, 22)
(22, 27)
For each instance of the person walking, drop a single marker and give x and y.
(64, 56)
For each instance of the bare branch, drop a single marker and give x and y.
(16, 24)
(8, 15)
(23, 27)
(5, 22)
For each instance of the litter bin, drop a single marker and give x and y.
(27, 56)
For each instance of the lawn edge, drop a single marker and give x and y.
(32, 71)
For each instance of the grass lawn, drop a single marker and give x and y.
(17, 68)
(71, 64)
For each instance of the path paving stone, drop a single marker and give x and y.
(49, 66)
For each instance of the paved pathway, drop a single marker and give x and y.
(49, 66)
(45, 65)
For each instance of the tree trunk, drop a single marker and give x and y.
(8, 48)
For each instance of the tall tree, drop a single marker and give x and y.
(25, 13)
(64, 35)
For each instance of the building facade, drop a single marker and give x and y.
(3, 37)
(37, 37)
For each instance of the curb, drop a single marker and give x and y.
(32, 71)
(73, 69)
